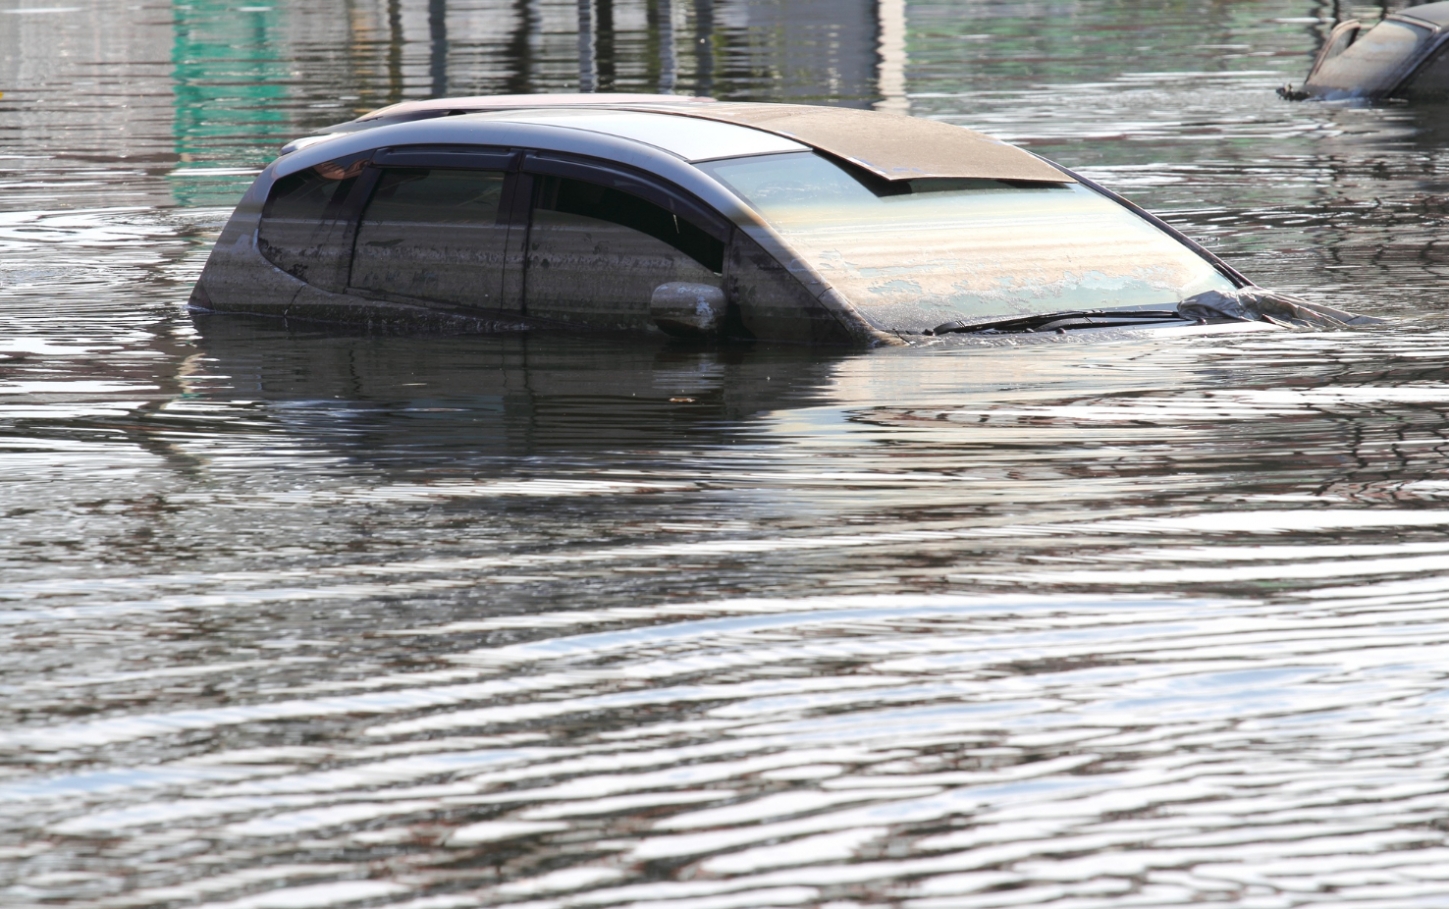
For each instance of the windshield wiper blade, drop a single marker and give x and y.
(1064, 321)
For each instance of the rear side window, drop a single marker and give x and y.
(437, 196)
(603, 203)
(434, 234)
(305, 228)
(307, 194)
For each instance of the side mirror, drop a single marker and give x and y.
(686, 310)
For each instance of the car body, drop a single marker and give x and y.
(1402, 57)
(704, 219)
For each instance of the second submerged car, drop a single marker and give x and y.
(1404, 57)
(705, 219)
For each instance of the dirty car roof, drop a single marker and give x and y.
(891, 146)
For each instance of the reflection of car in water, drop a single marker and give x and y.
(401, 402)
(704, 219)
(1403, 57)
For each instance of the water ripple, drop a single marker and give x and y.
(302, 618)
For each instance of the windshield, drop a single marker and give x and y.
(1372, 64)
(966, 249)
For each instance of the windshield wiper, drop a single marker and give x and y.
(1064, 321)
(1246, 304)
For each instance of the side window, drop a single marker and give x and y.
(436, 196)
(1431, 82)
(597, 254)
(434, 234)
(305, 228)
(575, 197)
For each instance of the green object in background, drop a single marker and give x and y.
(229, 79)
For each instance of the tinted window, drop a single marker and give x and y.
(307, 194)
(433, 234)
(966, 249)
(437, 196)
(596, 255)
(1373, 63)
(602, 203)
(1431, 83)
(304, 228)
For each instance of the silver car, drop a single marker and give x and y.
(1402, 57)
(703, 219)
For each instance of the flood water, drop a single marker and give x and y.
(299, 618)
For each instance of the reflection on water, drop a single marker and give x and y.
(300, 618)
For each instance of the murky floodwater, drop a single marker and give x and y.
(298, 618)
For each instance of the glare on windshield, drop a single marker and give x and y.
(965, 249)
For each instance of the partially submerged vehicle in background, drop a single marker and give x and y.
(704, 219)
(1402, 57)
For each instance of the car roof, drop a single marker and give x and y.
(691, 139)
(1435, 14)
(891, 146)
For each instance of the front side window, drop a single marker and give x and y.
(434, 234)
(604, 203)
(597, 254)
(936, 251)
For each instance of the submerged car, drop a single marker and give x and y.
(1402, 57)
(705, 219)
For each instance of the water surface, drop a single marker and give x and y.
(296, 617)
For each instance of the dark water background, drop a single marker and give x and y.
(296, 619)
